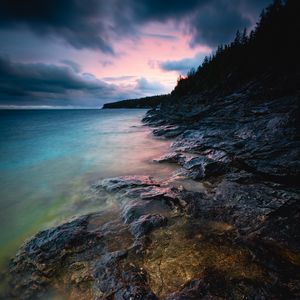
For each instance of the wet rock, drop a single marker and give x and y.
(173, 157)
(263, 136)
(203, 167)
(146, 223)
(168, 131)
(133, 210)
(143, 201)
(114, 279)
(42, 256)
(248, 205)
(143, 188)
(60, 258)
(123, 182)
(49, 247)
(160, 192)
(279, 226)
(193, 290)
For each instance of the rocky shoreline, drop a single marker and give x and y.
(235, 237)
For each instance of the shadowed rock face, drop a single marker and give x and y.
(236, 237)
(245, 148)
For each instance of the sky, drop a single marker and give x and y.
(84, 53)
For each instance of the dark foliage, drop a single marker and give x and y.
(146, 102)
(268, 54)
(271, 48)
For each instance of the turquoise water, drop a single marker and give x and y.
(48, 158)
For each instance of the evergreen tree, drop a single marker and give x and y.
(273, 46)
(244, 37)
(237, 39)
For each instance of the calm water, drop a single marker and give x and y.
(49, 158)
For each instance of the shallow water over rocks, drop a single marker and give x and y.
(150, 246)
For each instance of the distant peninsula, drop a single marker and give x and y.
(145, 102)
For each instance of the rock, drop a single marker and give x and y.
(114, 278)
(65, 252)
(133, 210)
(281, 224)
(146, 223)
(193, 290)
(42, 256)
(173, 157)
(168, 131)
(204, 167)
(119, 183)
(266, 143)
(248, 205)
(49, 247)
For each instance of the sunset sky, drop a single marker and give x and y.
(83, 53)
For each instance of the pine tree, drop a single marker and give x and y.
(273, 46)
(244, 37)
(205, 61)
(237, 39)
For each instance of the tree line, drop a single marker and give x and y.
(272, 46)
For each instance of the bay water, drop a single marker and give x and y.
(49, 158)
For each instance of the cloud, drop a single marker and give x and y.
(160, 36)
(147, 87)
(78, 22)
(48, 84)
(119, 78)
(75, 66)
(216, 24)
(157, 10)
(182, 66)
(42, 85)
(106, 63)
(209, 22)
(97, 24)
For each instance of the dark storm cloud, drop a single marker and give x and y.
(97, 24)
(21, 82)
(78, 22)
(210, 22)
(60, 85)
(158, 10)
(217, 23)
